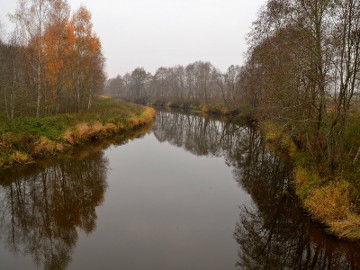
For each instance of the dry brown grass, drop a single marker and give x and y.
(83, 132)
(38, 137)
(329, 203)
(111, 128)
(60, 147)
(348, 228)
(20, 158)
(43, 145)
(145, 117)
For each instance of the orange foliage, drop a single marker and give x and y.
(71, 61)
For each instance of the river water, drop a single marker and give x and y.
(188, 193)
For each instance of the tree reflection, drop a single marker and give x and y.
(272, 232)
(43, 206)
(199, 135)
(41, 212)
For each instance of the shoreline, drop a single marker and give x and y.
(326, 200)
(31, 139)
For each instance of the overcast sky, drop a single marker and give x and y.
(154, 33)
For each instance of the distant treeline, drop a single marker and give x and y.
(199, 83)
(51, 63)
(301, 71)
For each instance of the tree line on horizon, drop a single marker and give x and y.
(301, 72)
(51, 63)
(197, 83)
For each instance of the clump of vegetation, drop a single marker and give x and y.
(24, 139)
(330, 201)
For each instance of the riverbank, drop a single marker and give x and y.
(331, 198)
(26, 139)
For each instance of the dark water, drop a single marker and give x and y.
(193, 193)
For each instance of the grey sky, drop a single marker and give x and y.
(154, 33)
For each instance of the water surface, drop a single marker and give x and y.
(192, 193)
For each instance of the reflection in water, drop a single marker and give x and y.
(273, 232)
(43, 207)
(201, 136)
(40, 213)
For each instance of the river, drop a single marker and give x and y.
(188, 193)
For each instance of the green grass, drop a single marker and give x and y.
(105, 110)
(26, 138)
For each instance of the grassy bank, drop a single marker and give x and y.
(80, 152)
(331, 198)
(26, 139)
